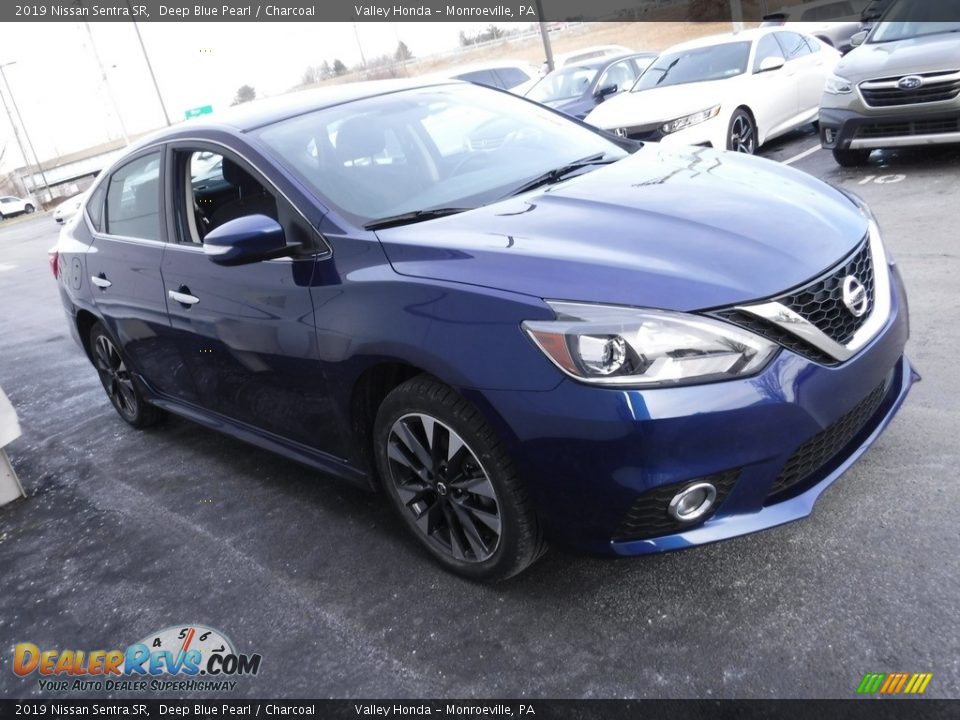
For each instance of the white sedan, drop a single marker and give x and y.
(68, 208)
(733, 92)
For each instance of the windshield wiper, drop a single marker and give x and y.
(412, 217)
(557, 174)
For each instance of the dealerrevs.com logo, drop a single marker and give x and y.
(180, 659)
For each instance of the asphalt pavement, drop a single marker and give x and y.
(127, 532)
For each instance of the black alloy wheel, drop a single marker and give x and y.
(742, 137)
(118, 382)
(452, 483)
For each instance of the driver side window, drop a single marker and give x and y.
(212, 190)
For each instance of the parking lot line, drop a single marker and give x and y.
(801, 156)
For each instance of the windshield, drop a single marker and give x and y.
(566, 84)
(448, 146)
(917, 18)
(715, 62)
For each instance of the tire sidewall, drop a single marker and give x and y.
(403, 402)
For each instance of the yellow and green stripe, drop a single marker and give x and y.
(894, 683)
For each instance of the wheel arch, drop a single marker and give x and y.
(85, 321)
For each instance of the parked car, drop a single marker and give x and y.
(10, 206)
(900, 89)
(832, 22)
(732, 92)
(874, 11)
(621, 347)
(577, 89)
(594, 52)
(68, 208)
(517, 77)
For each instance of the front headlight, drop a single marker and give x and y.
(610, 345)
(689, 120)
(836, 85)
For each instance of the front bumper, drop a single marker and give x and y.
(591, 455)
(848, 129)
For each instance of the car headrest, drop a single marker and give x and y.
(360, 137)
(238, 177)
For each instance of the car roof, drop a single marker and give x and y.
(605, 60)
(744, 35)
(258, 113)
(492, 65)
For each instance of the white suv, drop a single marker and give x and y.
(10, 205)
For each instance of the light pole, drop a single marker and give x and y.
(16, 111)
(545, 34)
(106, 81)
(146, 57)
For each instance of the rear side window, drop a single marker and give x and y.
(481, 77)
(133, 199)
(794, 46)
(95, 206)
(512, 76)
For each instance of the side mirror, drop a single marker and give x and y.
(606, 91)
(859, 38)
(246, 240)
(772, 63)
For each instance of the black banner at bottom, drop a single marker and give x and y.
(867, 709)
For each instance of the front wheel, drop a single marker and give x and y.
(28, 208)
(742, 135)
(117, 380)
(851, 158)
(452, 482)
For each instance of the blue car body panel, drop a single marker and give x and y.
(685, 230)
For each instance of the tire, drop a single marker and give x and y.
(117, 381)
(28, 208)
(742, 133)
(851, 158)
(467, 507)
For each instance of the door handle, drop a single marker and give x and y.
(184, 298)
(100, 281)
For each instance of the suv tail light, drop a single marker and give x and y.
(54, 256)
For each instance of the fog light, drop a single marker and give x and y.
(693, 502)
(829, 135)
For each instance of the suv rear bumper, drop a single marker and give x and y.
(846, 129)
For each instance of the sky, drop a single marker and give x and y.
(66, 106)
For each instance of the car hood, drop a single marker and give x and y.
(894, 59)
(650, 107)
(682, 229)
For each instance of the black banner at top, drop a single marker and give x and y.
(491, 11)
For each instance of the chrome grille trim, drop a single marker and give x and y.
(789, 321)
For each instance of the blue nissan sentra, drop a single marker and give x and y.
(520, 329)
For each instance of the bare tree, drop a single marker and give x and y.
(245, 93)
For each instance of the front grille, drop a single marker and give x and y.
(937, 87)
(804, 465)
(649, 517)
(648, 133)
(913, 127)
(819, 302)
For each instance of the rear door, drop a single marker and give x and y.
(123, 269)
(775, 91)
(806, 68)
(247, 332)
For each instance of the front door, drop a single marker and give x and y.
(247, 332)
